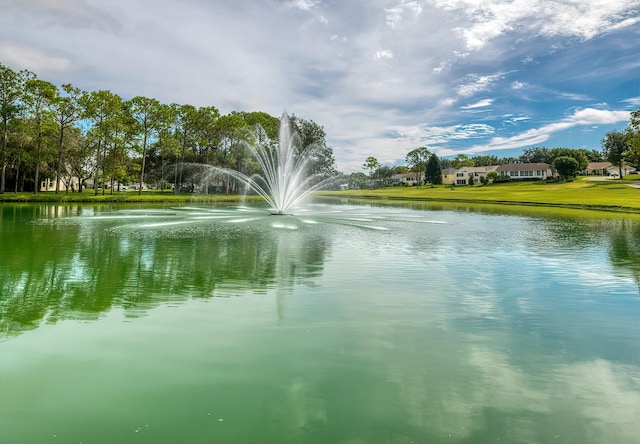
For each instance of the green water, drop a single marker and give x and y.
(343, 324)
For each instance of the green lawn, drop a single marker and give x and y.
(612, 195)
(600, 195)
(125, 197)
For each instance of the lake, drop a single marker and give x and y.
(344, 323)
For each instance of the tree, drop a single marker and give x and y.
(270, 124)
(147, 114)
(230, 152)
(579, 156)
(228, 130)
(632, 156)
(66, 111)
(39, 98)
(445, 163)
(11, 92)
(313, 143)
(383, 175)
(80, 156)
(104, 110)
(204, 124)
(417, 159)
(185, 132)
(592, 155)
(371, 164)
(357, 181)
(433, 173)
(567, 167)
(535, 155)
(485, 160)
(462, 160)
(615, 146)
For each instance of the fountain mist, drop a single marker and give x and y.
(285, 180)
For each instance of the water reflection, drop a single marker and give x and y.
(91, 260)
(71, 261)
(356, 324)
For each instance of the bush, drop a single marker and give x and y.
(502, 179)
(567, 167)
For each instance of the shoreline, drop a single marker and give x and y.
(586, 194)
(236, 199)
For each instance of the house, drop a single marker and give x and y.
(525, 171)
(411, 179)
(605, 169)
(448, 176)
(50, 184)
(466, 175)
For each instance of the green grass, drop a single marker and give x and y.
(606, 195)
(126, 197)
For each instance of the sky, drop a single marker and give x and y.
(474, 77)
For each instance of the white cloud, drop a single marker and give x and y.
(478, 84)
(360, 69)
(518, 85)
(485, 20)
(384, 54)
(634, 101)
(535, 136)
(396, 13)
(303, 5)
(34, 60)
(480, 104)
(590, 116)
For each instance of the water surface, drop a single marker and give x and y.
(342, 324)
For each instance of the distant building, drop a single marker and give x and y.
(50, 185)
(525, 171)
(412, 179)
(464, 175)
(606, 169)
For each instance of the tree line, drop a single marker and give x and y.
(618, 147)
(97, 137)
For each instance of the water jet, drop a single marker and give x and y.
(285, 180)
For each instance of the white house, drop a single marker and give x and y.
(525, 171)
(50, 184)
(412, 179)
(466, 175)
(606, 169)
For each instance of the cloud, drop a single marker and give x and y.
(481, 104)
(442, 135)
(363, 70)
(590, 116)
(536, 136)
(484, 21)
(303, 5)
(478, 84)
(395, 14)
(32, 59)
(384, 54)
(70, 14)
(518, 85)
(634, 101)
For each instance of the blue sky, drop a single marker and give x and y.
(382, 76)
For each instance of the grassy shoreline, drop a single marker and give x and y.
(605, 195)
(617, 196)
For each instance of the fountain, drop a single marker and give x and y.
(285, 180)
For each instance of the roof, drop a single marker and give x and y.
(523, 167)
(598, 165)
(483, 169)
